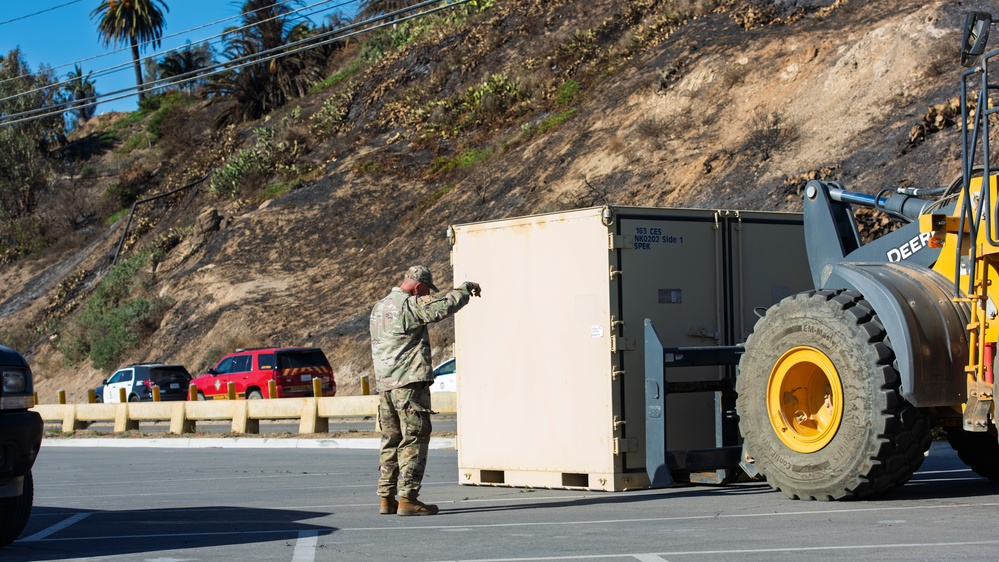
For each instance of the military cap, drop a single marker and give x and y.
(423, 275)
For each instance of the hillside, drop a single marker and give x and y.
(524, 107)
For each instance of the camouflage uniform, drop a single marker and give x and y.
(400, 351)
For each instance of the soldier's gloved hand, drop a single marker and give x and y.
(473, 288)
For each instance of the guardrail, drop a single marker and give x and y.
(313, 413)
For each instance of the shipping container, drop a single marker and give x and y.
(551, 360)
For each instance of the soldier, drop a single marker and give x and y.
(400, 351)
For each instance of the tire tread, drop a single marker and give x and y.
(903, 435)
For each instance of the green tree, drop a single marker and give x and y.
(23, 145)
(82, 95)
(24, 171)
(130, 22)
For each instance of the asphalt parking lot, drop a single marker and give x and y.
(159, 504)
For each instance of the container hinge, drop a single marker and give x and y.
(619, 343)
(621, 241)
(618, 422)
(615, 272)
(617, 373)
(624, 446)
(614, 323)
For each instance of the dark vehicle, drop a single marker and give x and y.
(139, 379)
(251, 370)
(20, 438)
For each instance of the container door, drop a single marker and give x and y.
(534, 352)
(768, 262)
(671, 273)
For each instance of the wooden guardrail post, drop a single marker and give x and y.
(121, 420)
(241, 421)
(69, 421)
(178, 419)
(311, 422)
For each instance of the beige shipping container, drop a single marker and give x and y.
(550, 361)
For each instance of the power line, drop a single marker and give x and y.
(112, 69)
(232, 30)
(310, 43)
(179, 33)
(40, 12)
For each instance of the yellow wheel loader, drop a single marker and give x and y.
(840, 387)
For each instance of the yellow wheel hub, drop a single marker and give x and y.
(805, 399)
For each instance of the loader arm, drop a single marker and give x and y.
(832, 236)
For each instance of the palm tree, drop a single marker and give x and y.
(187, 62)
(255, 89)
(374, 8)
(82, 94)
(130, 22)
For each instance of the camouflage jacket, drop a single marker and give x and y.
(400, 342)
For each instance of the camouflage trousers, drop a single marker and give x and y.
(404, 414)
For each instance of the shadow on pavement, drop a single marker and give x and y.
(624, 498)
(96, 534)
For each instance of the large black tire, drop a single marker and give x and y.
(980, 451)
(819, 403)
(14, 512)
(254, 395)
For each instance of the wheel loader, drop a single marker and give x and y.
(840, 388)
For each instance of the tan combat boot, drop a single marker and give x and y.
(413, 506)
(389, 506)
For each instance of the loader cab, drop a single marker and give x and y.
(976, 38)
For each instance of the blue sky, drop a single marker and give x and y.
(65, 34)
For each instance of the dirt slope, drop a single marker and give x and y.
(668, 125)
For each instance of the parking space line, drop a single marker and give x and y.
(951, 471)
(305, 546)
(170, 535)
(57, 527)
(713, 516)
(657, 557)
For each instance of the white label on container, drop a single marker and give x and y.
(596, 331)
